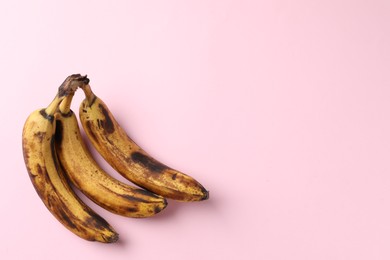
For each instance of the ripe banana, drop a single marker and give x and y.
(124, 155)
(91, 179)
(48, 179)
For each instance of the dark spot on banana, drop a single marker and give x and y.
(64, 216)
(96, 221)
(39, 169)
(48, 200)
(59, 132)
(147, 193)
(40, 135)
(148, 162)
(107, 124)
(85, 111)
(45, 115)
(174, 176)
(69, 114)
(61, 90)
(205, 193)
(132, 198)
(157, 209)
(88, 126)
(132, 209)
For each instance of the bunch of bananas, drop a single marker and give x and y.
(56, 157)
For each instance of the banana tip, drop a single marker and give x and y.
(159, 208)
(205, 195)
(112, 239)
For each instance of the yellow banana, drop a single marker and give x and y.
(91, 179)
(48, 179)
(124, 155)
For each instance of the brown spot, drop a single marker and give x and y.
(174, 176)
(67, 88)
(26, 150)
(88, 128)
(96, 221)
(49, 201)
(148, 162)
(159, 208)
(39, 169)
(107, 124)
(64, 216)
(132, 209)
(59, 132)
(40, 135)
(205, 193)
(132, 198)
(146, 193)
(93, 100)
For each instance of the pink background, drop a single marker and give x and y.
(280, 108)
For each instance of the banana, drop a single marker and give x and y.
(47, 176)
(130, 160)
(91, 179)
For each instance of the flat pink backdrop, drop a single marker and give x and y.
(280, 108)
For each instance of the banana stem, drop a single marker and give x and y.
(52, 107)
(68, 88)
(71, 83)
(89, 95)
(65, 104)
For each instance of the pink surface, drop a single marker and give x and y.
(280, 108)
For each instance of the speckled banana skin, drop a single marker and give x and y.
(130, 160)
(48, 179)
(84, 172)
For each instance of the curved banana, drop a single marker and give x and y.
(124, 155)
(91, 179)
(48, 180)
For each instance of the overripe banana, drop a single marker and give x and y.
(124, 155)
(48, 179)
(91, 179)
